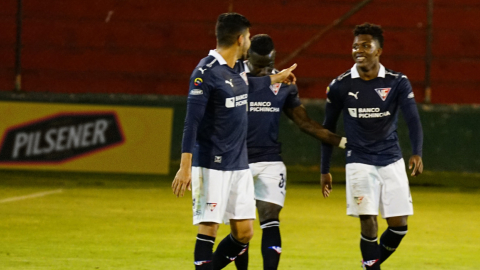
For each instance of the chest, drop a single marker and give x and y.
(231, 89)
(274, 95)
(378, 94)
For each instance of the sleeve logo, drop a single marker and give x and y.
(198, 81)
(196, 92)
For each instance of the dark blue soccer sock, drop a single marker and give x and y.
(227, 251)
(390, 240)
(203, 252)
(271, 244)
(370, 252)
(241, 262)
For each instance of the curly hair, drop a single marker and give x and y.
(374, 30)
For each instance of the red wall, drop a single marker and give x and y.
(151, 47)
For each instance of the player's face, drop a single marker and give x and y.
(366, 51)
(261, 65)
(245, 45)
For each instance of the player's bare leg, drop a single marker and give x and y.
(393, 235)
(369, 242)
(207, 232)
(271, 241)
(232, 245)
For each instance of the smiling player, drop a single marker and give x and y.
(370, 96)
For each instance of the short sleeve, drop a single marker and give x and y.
(293, 99)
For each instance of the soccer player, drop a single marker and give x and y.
(269, 173)
(370, 96)
(215, 135)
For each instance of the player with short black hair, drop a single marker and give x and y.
(215, 136)
(265, 106)
(370, 97)
(229, 27)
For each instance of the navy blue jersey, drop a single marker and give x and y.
(265, 104)
(370, 113)
(216, 123)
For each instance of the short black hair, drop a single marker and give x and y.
(374, 30)
(262, 44)
(229, 27)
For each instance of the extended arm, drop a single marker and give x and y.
(285, 76)
(300, 117)
(183, 177)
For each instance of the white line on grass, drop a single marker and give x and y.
(31, 196)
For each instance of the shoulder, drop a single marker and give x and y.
(395, 75)
(336, 83)
(341, 79)
(205, 69)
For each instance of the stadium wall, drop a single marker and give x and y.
(151, 47)
(450, 142)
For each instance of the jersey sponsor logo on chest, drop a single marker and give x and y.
(262, 106)
(383, 92)
(367, 113)
(236, 101)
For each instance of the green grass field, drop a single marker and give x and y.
(107, 221)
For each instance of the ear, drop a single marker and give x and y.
(379, 52)
(240, 40)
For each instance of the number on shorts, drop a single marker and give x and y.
(282, 181)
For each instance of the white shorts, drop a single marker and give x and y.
(370, 188)
(270, 180)
(219, 196)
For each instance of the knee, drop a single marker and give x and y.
(243, 236)
(397, 221)
(208, 228)
(268, 211)
(369, 226)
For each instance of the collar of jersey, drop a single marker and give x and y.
(354, 72)
(217, 56)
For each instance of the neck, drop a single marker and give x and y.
(230, 54)
(369, 73)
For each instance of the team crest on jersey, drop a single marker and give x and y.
(275, 88)
(211, 206)
(383, 92)
(244, 77)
